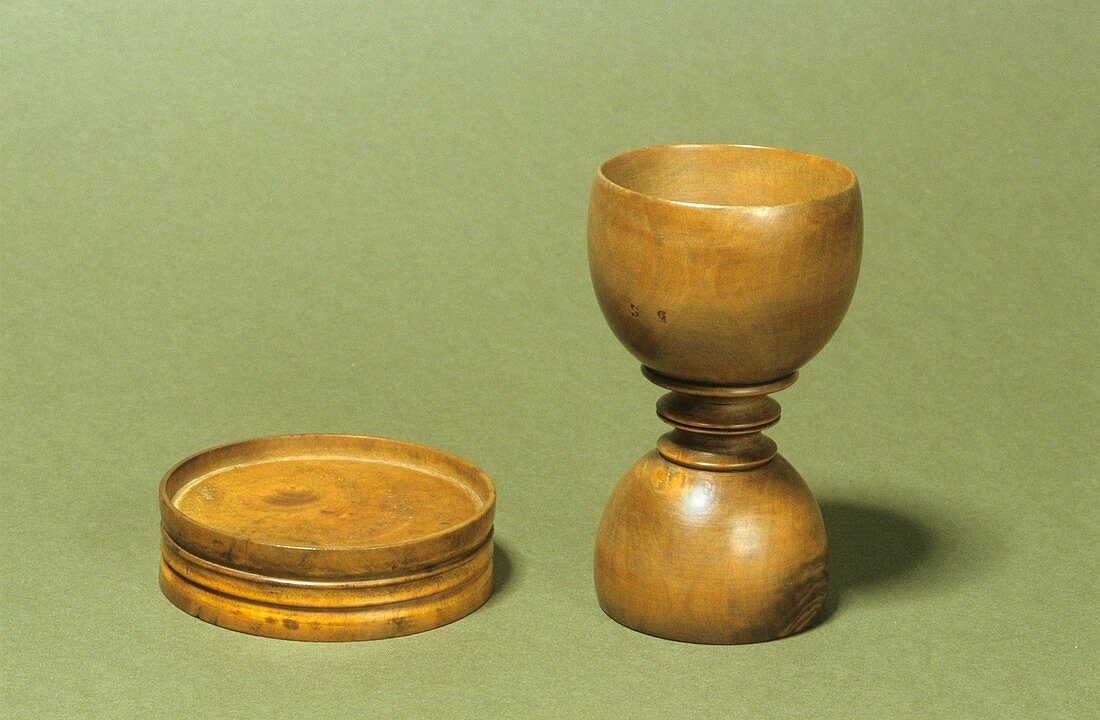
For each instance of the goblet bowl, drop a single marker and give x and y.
(724, 264)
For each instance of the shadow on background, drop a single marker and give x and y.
(872, 548)
(503, 572)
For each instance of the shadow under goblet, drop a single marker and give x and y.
(871, 548)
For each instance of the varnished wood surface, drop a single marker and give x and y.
(712, 557)
(326, 501)
(326, 537)
(740, 292)
(724, 269)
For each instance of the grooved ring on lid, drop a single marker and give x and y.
(323, 594)
(325, 611)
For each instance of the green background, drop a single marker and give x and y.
(230, 220)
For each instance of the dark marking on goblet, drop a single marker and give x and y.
(633, 310)
(662, 316)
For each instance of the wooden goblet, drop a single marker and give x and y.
(723, 269)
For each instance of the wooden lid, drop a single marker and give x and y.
(326, 537)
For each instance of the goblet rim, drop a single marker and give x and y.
(851, 185)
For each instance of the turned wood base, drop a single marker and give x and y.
(713, 537)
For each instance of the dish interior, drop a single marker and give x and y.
(326, 501)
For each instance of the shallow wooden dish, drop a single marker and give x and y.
(326, 537)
